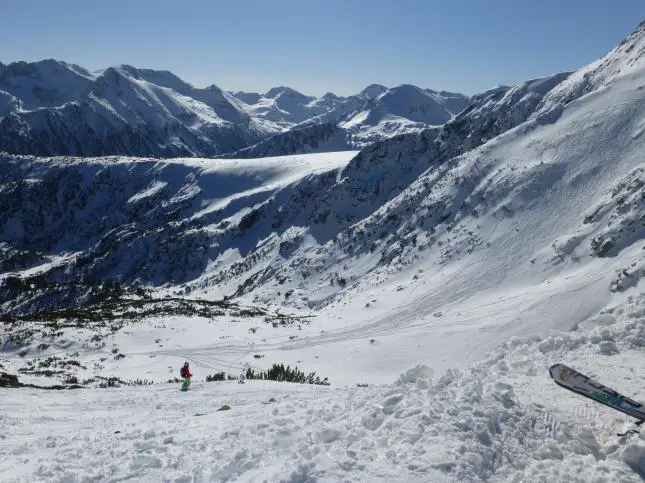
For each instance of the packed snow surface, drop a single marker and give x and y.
(500, 420)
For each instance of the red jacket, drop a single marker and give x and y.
(185, 372)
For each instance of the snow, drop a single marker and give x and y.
(501, 420)
(46, 83)
(376, 113)
(400, 110)
(315, 138)
(356, 120)
(410, 102)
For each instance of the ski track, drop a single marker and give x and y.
(404, 319)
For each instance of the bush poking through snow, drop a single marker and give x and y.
(8, 380)
(277, 373)
(218, 376)
(286, 374)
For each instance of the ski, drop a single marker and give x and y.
(585, 386)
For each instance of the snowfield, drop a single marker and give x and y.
(500, 420)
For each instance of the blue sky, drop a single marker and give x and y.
(322, 45)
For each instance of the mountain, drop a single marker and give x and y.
(55, 108)
(412, 104)
(372, 91)
(422, 191)
(403, 109)
(376, 113)
(286, 107)
(48, 83)
(431, 198)
(249, 98)
(8, 103)
(314, 138)
(433, 277)
(121, 110)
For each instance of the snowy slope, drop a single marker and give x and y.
(447, 227)
(451, 218)
(119, 216)
(315, 138)
(464, 231)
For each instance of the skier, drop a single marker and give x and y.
(186, 375)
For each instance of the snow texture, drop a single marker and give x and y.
(501, 420)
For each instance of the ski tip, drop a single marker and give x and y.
(560, 373)
(556, 372)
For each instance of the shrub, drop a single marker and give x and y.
(218, 376)
(8, 380)
(71, 380)
(286, 374)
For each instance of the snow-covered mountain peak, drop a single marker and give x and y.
(111, 74)
(161, 78)
(330, 96)
(98, 113)
(489, 92)
(287, 92)
(375, 114)
(531, 91)
(42, 68)
(281, 107)
(328, 102)
(372, 91)
(128, 70)
(215, 89)
(120, 109)
(249, 98)
(401, 109)
(402, 90)
(47, 83)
